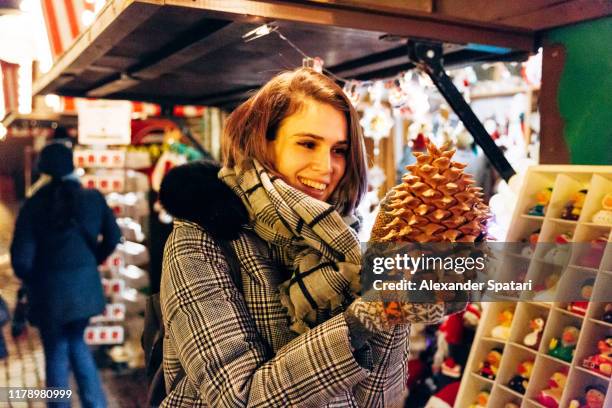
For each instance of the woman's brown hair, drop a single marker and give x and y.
(255, 122)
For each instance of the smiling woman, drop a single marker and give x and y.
(301, 127)
(290, 329)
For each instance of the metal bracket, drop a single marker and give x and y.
(427, 56)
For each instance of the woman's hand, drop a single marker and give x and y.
(383, 316)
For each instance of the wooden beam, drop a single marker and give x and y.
(400, 25)
(117, 19)
(118, 84)
(489, 11)
(391, 6)
(175, 58)
(561, 14)
(177, 54)
(553, 149)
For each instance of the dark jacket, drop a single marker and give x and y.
(234, 344)
(57, 265)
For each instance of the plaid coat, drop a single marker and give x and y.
(236, 346)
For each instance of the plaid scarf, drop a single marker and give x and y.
(325, 248)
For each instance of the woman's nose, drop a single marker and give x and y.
(323, 161)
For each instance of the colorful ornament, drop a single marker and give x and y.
(572, 209)
(502, 330)
(520, 381)
(559, 255)
(602, 362)
(580, 306)
(604, 216)
(551, 396)
(592, 257)
(376, 121)
(489, 367)
(532, 339)
(542, 200)
(564, 349)
(482, 400)
(594, 398)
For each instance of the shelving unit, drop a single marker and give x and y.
(565, 181)
(107, 170)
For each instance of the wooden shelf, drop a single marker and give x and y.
(593, 373)
(555, 359)
(511, 391)
(601, 322)
(481, 378)
(494, 340)
(595, 225)
(533, 217)
(523, 347)
(562, 221)
(535, 403)
(565, 181)
(567, 312)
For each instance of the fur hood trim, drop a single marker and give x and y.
(193, 192)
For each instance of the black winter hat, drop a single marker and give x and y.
(56, 160)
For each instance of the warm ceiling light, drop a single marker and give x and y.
(260, 31)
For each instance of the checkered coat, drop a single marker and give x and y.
(236, 347)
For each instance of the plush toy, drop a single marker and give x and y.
(445, 397)
(542, 200)
(546, 292)
(559, 255)
(520, 381)
(490, 366)
(592, 257)
(551, 396)
(471, 316)
(604, 216)
(532, 339)
(532, 241)
(564, 349)
(594, 396)
(580, 306)
(572, 209)
(502, 330)
(482, 399)
(602, 362)
(607, 316)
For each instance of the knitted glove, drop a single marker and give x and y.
(366, 318)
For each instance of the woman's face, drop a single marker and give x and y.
(310, 149)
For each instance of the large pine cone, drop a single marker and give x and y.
(436, 202)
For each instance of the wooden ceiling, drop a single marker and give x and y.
(192, 51)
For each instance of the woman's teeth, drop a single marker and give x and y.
(314, 184)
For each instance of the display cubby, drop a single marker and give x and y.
(590, 261)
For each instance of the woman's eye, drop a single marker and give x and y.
(308, 145)
(342, 151)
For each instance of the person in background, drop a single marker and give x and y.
(55, 251)
(290, 329)
(60, 135)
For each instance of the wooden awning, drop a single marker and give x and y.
(192, 51)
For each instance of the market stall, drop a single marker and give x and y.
(215, 53)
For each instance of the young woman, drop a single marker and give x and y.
(291, 330)
(56, 253)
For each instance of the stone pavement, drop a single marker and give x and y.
(24, 366)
